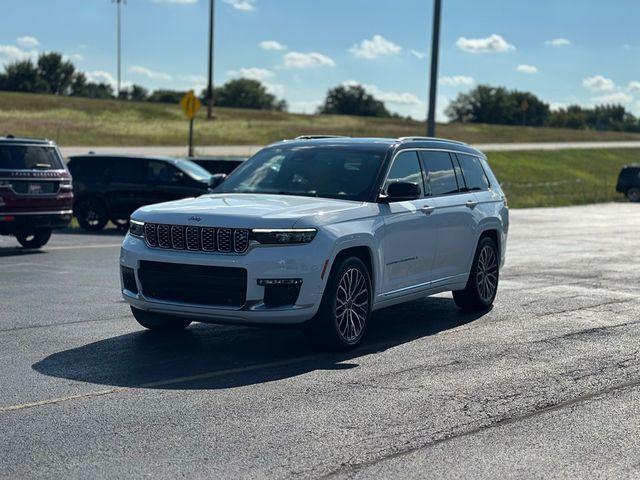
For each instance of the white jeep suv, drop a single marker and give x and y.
(321, 231)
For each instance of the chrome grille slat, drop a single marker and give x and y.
(197, 239)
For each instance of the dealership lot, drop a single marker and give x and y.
(546, 384)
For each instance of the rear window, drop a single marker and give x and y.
(88, 168)
(29, 157)
(473, 172)
(440, 173)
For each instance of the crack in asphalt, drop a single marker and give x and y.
(446, 436)
(60, 324)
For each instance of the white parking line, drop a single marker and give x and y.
(77, 247)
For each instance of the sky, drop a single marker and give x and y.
(584, 52)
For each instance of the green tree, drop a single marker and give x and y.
(99, 90)
(166, 96)
(352, 100)
(138, 93)
(56, 73)
(246, 93)
(22, 76)
(497, 105)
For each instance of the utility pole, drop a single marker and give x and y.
(210, 84)
(119, 4)
(435, 50)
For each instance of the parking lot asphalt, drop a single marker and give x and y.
(544, 385)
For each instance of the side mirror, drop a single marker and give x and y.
(402, 192)
(216, 180)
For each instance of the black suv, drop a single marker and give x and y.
(218, 165)
(112, 187)
(629, 182)
(35, 190)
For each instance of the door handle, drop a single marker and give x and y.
(471, 203)
(427, 209)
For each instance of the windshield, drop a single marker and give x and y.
(193, 170)
(29, 157)
(330, 172)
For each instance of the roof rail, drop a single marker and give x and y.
(316, 137)
(433, 139)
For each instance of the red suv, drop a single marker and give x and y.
(36, 194)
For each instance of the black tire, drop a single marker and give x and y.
(331, 329)
(121, 223)
(482, 286)
(633, 194)
(92, 214)
(163, 323)
(35, 239)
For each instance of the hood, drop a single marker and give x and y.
(246, 210)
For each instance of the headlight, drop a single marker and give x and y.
(280, 236)
(136, 228)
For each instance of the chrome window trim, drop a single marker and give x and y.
(419, 149)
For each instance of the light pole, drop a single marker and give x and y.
(210, 84)
(435, 50)
(119, 4)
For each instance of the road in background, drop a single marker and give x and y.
(544, 385)
(248, 150)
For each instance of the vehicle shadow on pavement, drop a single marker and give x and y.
(217, 357)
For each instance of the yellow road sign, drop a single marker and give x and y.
(190, 104)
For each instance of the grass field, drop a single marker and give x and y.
(79, 121)
(564, 177)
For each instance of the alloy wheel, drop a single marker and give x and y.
(352, 304)
(487, 273)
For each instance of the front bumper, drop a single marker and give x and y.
(304, 262)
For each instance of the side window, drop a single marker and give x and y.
(128, 170)
(473, 172)
(405, 168)
(88, 168)
(440, 174)
(163, 172)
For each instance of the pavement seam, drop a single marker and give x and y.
(15, 329)
(352, 469)
(53, 401)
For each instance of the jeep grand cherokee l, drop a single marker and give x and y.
(322, 231)
(35, 190)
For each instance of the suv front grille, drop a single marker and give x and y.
(202, 239)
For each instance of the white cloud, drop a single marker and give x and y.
(100, 76)
(457, 81)
(74, 57)
(276, 89)
(558, 42)
(260, 74)
(176, 2)
(598, 83)
(146, 72)
(27, 41)
(374, 48)
(307, 60)
(397, 98)
(242, 5)
(198, 79)
(555, 106)
(11, 53)
(493, 44)
(310, 106)
(527, 68)
(634, 87)
(272, 45)
(418, 54)
(617, 98)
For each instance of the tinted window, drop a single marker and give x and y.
(473, 173)
(331, 172)
(440, 173)
(163, 172)
(406, 168)
(88, 168)
(128, 170)
(29, 157)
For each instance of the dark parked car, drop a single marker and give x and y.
(217, 165)
(112, 187)
(629, 182)
(35, 190)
